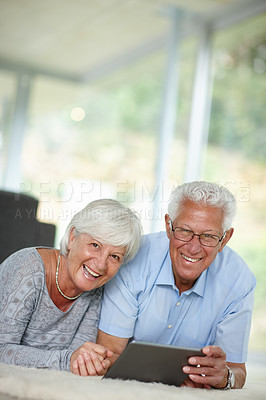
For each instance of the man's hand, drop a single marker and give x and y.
(90, 359)
(209, 371)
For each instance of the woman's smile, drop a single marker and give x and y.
(89, 273)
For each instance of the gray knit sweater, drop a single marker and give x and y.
(33, 331)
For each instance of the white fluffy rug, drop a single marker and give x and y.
(35, 384)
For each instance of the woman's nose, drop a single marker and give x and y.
(102, 260)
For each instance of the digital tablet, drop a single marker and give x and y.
(150, 362)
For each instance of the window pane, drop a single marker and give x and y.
(7, 99)
(94, 140)
(236, 154)
(100, 139)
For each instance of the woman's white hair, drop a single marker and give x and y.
(205, 193)
(108, 221)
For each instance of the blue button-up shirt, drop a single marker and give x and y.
(143, 302)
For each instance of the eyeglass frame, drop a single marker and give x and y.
(196, 234)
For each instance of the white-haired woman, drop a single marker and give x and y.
(50, 299)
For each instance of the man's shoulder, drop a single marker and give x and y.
(153, 245)
(228, 256)
(230, 266)
(155, 239)
(151, 255)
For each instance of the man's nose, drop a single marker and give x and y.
(194, 243)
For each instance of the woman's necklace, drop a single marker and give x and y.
(57, 284)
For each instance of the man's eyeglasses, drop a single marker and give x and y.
(205, 239)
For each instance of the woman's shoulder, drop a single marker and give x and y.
(22, 280)
(22, 256)
(22, 263)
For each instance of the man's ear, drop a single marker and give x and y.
(228, 235)
(167, 225)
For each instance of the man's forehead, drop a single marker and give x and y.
(199, 212)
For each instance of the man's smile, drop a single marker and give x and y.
(193, 260)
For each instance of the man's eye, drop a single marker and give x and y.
(207, 236)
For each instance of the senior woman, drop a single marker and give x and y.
(50, 299)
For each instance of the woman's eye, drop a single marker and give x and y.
(95, 245)
(116, 257)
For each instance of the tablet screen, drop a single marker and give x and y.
(150, 362)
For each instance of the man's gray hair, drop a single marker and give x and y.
(108, 221)
(205, 193)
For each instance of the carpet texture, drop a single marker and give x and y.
(37, 384)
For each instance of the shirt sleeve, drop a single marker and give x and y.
(32, 357)
(233, 325)
(119, 307)
(232, 333)
(125, 295)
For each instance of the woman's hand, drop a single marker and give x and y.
(90, 359)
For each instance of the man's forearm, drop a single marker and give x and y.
(113, 343)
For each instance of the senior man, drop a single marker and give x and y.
(185, 287)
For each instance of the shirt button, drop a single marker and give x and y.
(170, 326)
(178, 303)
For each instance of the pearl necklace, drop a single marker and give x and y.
(57, 284)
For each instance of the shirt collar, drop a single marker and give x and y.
(199, 285)
(166, 277)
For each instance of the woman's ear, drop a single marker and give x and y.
(167, 225)
(71, 238)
